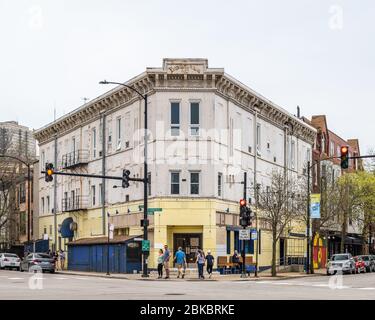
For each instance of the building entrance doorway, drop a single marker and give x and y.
(190, 243)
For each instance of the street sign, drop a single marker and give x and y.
(145, 245)
(111, 229)
(244, 234)
(254, 234)
(315, 206)
(151, 211)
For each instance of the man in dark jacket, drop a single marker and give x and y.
(210, 263)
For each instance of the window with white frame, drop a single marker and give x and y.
(93, 196)
(259, 137)
(175, 183)
(100, 197)
(175, 118)
(48, 204)
(332, 151)
(94, 142)
(118, 133)
(293, 154)
(109, 141)
(42, 204)
(219, 184)
(194, 118)
(43, 158)
(194, 182)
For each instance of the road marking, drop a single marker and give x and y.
(320, 285)
(365, 288)
(15, 278)
(60, 278)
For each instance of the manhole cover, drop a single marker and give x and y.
(175, 294)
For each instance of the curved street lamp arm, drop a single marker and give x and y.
(15, 158)
(124, 85)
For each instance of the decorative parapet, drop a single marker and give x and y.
(179, 75)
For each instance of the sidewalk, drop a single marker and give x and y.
(191, 277)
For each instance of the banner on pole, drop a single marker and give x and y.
(315, 206)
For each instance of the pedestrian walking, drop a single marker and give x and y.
(166, 257)
(180, 259)
(236, 260)
(55, 257)
(210, 263)
(62, 259)
(200, 261)
(160, 263)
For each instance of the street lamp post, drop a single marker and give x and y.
(145, 180)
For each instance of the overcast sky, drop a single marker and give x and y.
(318, 54)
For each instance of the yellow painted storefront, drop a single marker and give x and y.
(194, 219)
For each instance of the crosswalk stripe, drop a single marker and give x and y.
(15, 278)
(365, 288)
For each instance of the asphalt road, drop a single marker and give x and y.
(17, 285)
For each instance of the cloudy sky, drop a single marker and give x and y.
(318, 54)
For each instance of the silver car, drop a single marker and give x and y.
(341, 263)
(9, 260)
(38, 262)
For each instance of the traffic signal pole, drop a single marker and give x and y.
(99, 176)
(243, 271)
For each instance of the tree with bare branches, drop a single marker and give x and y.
(280, 204)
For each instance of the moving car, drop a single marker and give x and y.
(369, 262)
(38, 262)
(360, 265)
(342, 263)
(9, 260)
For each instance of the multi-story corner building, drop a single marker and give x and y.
(205, 130)
(328, 146)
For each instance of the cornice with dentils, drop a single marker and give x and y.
(149, 81)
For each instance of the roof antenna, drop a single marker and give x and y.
(298, 112)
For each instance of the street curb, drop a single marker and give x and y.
(277, 278)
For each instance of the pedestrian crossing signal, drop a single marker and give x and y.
(49, 172)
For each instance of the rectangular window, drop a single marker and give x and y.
(118, 133)
(228, 242)
(93, 194)
(293, 154)
(258, 137)
(100, 194)
(94, 142)
(149, 183)
(175, 183)
(332, 148)
(50, 229)
(194, 118)
(194, 182)
(175, 118)
(48, 204)
(219, 184)
(43, 159)
(42, 204)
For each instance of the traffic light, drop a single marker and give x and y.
(49, 172)
(248, 216)
(344, 157)
(243, 218)
(125, 178)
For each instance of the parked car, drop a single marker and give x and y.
(9, 260)
(360, 265)
(343, 263)
(369, 262)
(38, 262)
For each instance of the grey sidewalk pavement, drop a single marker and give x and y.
(194, 277)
